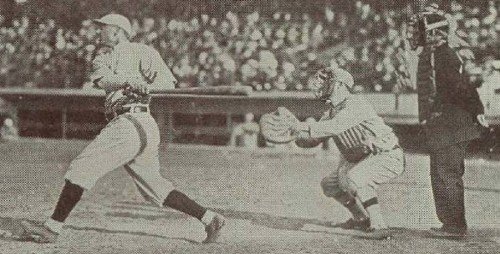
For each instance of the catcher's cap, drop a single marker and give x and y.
(336, 74)
(116, 20)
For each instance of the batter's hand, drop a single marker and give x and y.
(137, 85)
(482, 121)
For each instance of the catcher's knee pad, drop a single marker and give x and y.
(346, 198)
(331, 186)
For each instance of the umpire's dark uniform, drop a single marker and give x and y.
(449, 132)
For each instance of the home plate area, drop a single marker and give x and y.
(272, 201)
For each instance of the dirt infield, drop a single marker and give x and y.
(272, 200)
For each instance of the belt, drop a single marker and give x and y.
(127, 109)
(377, 150)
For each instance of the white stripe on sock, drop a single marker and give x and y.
(54, 225)
(208, 217)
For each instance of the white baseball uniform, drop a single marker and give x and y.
(130, 139)
(352, 124)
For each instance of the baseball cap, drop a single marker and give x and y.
(337, 74)
(116, 20)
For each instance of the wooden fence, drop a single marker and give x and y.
(72, 113)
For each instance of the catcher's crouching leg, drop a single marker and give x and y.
(367, 175)
(332, 188)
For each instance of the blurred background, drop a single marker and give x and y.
(272, 45)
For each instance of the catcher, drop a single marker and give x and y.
(369, 150)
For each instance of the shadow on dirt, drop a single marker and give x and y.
(136, 233)
(297, 224)
(11, 230)
(133, 210)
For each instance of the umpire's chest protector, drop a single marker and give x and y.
(442, 107)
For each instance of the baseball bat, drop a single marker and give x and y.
(212, 90)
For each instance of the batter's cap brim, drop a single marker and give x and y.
(101, 23)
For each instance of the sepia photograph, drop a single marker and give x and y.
(249, 126)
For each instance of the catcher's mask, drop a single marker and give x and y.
(327, 80)
(427, 28)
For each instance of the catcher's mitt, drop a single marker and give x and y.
(277, 126)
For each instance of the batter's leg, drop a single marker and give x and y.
(48, 233)
(213, 222)
(117, 144)
(154, 187)
(145, 171)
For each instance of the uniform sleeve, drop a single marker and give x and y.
(164, 79)
(357, 111)
(100, 69)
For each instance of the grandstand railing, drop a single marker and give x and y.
(64, 113)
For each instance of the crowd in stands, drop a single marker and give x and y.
(271, 52)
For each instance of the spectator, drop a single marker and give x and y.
(245, 134)
(9, 130)
(268, 52)
(491, 84)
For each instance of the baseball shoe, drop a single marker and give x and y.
(213, 229)
(449, 232)
(363, 225)
(38, 233)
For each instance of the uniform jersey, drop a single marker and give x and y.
(354, 124)
(131, 138)
(131, 60)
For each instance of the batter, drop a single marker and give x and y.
(131, 138)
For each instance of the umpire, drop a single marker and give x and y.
(453, 122)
